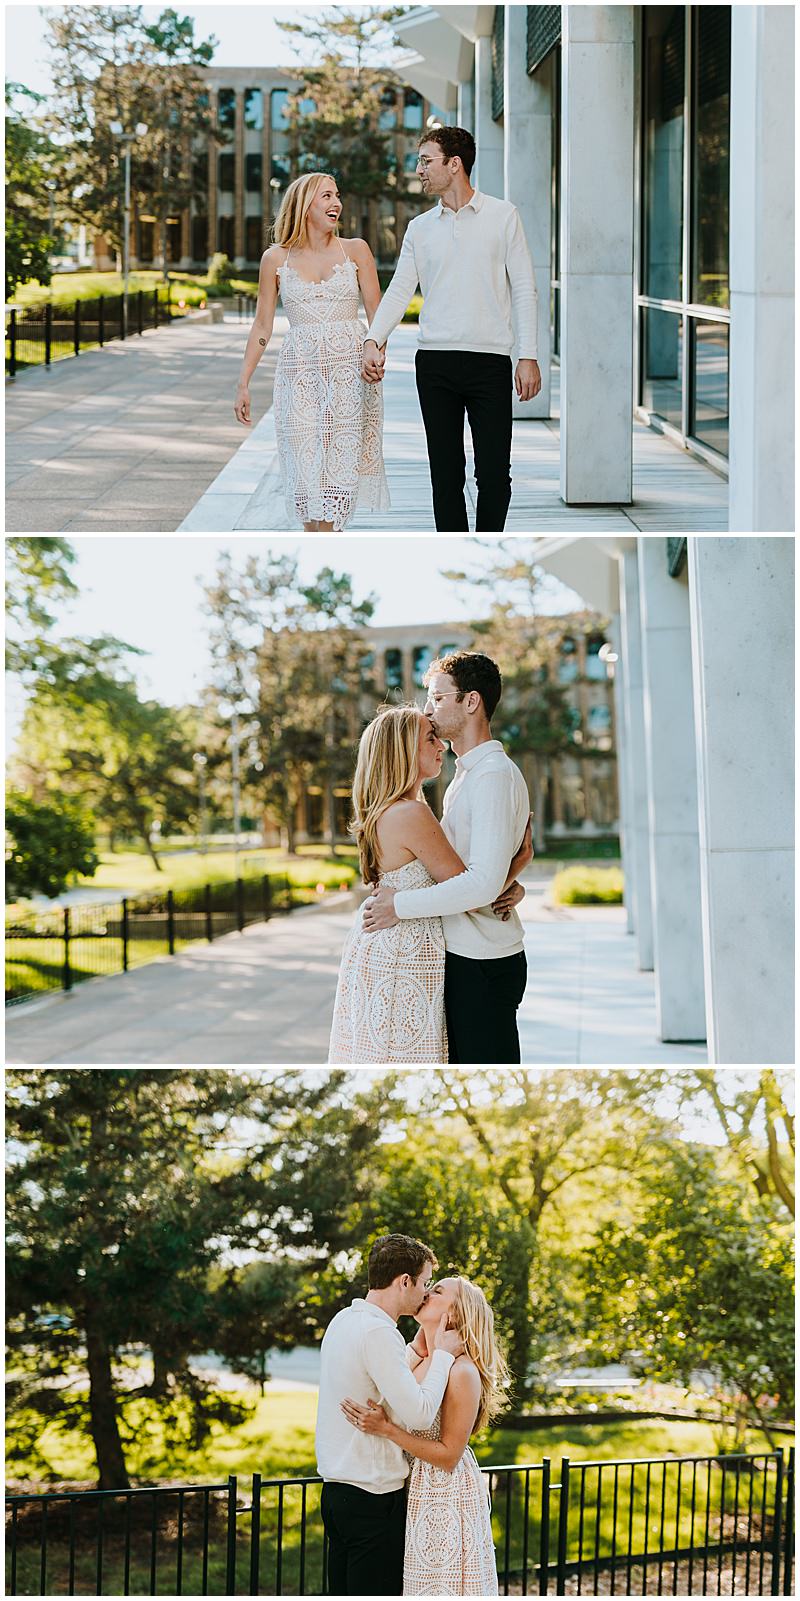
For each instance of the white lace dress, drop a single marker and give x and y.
(449, 1544)
(328, 421)
(390, 997)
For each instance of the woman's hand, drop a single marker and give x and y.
(510, 897)
(241, 405)
(369, 1419)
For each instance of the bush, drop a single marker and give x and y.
(48, 841)
(588, 886)
(220, 271)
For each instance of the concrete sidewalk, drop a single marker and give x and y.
(673, 491)
(125, 438)
(266, 997)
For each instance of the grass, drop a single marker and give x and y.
(277, 1442)
(66, 288)
(131, 870)
(588, 886)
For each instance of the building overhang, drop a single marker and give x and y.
(431, 85)
(444, 48)
(589, 564)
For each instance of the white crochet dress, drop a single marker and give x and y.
(390, 997)
(449, 1545)
(328, 421)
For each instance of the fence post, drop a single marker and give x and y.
(788, 1538)
(122, 316)
(230, 1562)
(240, 905)
(171, 922)
(12, 341)
(544, 1529)
(139, 323)
(209, 919)
(125, 934)
(563, 1517)
(67, 934)
(76, 329)
(255, 1534)
(155, 307)
(101, 330)
(48, 332)
(775, 1587)
(266, 898)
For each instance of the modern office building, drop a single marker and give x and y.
(241, 174)
(650, 152)
(576, 789)
(704, 683)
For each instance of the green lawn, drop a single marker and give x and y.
(66, 288)
(132, 870)
(278, 1442)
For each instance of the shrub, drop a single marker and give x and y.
(588, 886)
(220, 271)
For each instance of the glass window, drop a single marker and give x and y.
(412, 111)
(226, 170)
(420, 662)
(252, 172)
(449, 649)
(226, 108)
(199, 238)
(254, 238)
(711, 154)
(710, 422)
(225, 236)
(277, 101)
(253, 109)
(280, 172)
(598, 720)
(568, 666)
(664, 56)
(387, 117)
(200, 169)
(662, 363)
(394, 669)
(410, 161)
(595, 668)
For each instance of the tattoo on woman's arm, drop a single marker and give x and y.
(263, 342)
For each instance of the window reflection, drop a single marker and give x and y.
(664, 134)
(710, 421)
(253, 109)
(226, 108)
(711, 154)
(662, 382)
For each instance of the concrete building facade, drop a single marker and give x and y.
(650, 151)
(705, 678)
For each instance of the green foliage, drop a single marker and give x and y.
(30, 238)
(37, 573)
(220, 270)
(703, 1280)
(48, 842)
(588, 886)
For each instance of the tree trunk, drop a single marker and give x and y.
(330, 807)
(145, 836)
(113, 1474)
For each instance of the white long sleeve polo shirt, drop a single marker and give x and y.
(364, 1356)
(486, 809)
(476, 275)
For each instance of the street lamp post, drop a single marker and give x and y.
(236, 790)
(200, 762)
(127, 140)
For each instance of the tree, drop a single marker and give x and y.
(288, 658)
(49, 842)
(37, 574)
(702, 1280)
(744, 1103)
(90, 734)
(154, 1215)
(30, 234)
(334, 114)
(110, 67)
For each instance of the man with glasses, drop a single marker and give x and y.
(363, 1355)
(471, 261)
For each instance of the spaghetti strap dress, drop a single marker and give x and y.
(449, 1545)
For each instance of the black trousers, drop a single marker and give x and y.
(366, 1535)
(480, 1002)
(450, 382)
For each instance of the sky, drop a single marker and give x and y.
(147, 591)
(246, 33)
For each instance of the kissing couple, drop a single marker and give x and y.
(469, 256)
(434, 967)
(404, 1504)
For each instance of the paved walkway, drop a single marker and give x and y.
(673, 491)
(125, 438)
(266, 997)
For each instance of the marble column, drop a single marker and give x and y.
(597, 207)
(761, 386)
(488, 133)
(672, 795)
(466, 105)
(238, 183)
(638, 831)
(527, 121)
(622, 747)
(213, 175)
(742, 602)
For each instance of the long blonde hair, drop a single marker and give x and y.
(289, 227)
(387, 768)
(472, 1317)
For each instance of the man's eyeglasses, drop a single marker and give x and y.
(425, 161)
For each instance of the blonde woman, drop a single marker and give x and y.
(389, 1003)
(449, 1548)
(328, 419)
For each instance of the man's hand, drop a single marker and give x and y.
(379, 910)
(527, 379)
(510, 897)
(373, 361)
(446, 1339)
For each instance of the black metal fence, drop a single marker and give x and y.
(40, 335)
(55, 950)
(719, 1525)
